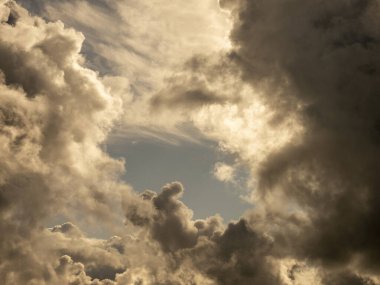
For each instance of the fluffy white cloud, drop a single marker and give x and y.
(224, 172)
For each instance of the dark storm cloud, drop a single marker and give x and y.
(320, 59)
(239, 256)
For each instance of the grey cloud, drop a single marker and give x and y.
(186, 99)
(173, 227)
(320, 60)
(99, 261)
(242, 257)
(68, 229)
(13, 16)
(348, 278)
(72, 272)
(171, 222)
(196, 85)
(236, 254)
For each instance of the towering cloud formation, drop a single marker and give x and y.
(53, 115)
(320, 60)
(295, 99)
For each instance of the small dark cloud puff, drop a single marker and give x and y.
(68, 229)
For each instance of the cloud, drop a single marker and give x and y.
(220, 255)
(318, 61)
(170, 222)
(295, 99)
(149, 44)
(224, 172)
(152, 41)
(68, 229)
(54, 113)
(307, 124)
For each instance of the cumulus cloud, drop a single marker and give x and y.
(170, 222)
(54, 113)
(218, 255)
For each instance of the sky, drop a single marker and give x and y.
(155, 142)
(150, 163)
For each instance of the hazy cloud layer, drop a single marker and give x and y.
(295, 98)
